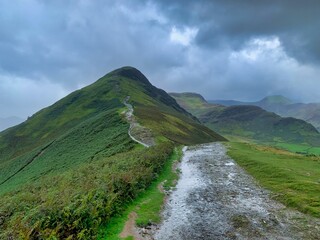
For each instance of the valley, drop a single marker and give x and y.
(250, 123)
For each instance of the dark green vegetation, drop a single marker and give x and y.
(283, 106)
(75, 204)
(294, 179)
(148, 205)
(252, 123)
(72, 165)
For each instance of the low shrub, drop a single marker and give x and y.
(75, 204)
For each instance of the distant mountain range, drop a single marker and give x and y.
(309, 112)
(249, 121)
(9, 122)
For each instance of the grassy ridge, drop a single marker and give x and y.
(73, 205)
(293, 178)
(175, 127)
(84, 125)
(70, 167)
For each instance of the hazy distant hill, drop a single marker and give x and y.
(250, 121)
(310, 112)
(270, 102)
(9, 122)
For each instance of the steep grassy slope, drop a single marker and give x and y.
(71, 166)
(86, 123)
(251, 122)
(160, 112)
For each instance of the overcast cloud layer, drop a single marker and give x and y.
(222, 49)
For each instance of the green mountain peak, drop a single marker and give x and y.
(84, 124)
(129, 73)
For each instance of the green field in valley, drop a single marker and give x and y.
(299, 148)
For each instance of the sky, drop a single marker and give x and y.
(222, 49)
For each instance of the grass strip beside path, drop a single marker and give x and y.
(294, 179)
(149, 204)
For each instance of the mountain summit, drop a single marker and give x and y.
(81, 127)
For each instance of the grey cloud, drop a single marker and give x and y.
(232, 23)
(85, 38)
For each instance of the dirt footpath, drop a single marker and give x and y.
(137, 132)
(216, 199)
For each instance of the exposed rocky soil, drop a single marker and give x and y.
(216, 199)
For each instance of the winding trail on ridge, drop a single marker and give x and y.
(148, 142)
(216, 199)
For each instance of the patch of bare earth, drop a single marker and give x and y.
(130, 228)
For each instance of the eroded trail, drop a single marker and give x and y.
(137, 132)
(216, 199)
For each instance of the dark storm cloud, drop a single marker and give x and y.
(72, 43)
(220, 48)
(232, 23)
(50, 37)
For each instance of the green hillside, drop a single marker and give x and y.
(251, 122)
(44, 161)
(309, 112)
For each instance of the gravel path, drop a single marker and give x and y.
(136, 130)
(216, 199)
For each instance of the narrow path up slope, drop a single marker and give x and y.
(137, 132)
(216, 199)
